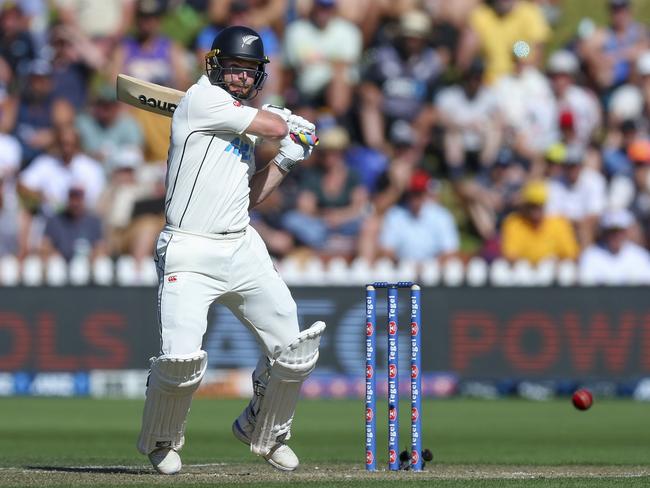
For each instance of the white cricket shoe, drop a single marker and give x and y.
(281, 456)
(165, 460)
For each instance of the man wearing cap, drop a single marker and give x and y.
(399, 79)
(578, 108)
(577, 191)
(531, 235)
(615, 259)
(419, 228)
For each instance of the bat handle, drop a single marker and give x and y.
(307, 139)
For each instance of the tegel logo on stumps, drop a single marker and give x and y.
(157, 103)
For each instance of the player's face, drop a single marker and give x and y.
(239, 76)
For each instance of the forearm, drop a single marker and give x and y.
(264, 182)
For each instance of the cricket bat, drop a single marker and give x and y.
(163, 100)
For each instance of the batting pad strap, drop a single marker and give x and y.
(172, 381)
(289, 370)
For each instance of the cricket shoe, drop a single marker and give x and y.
(280, 457)
(165, 460)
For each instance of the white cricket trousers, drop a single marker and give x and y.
(234, 269)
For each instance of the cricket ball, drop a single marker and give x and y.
(582, 399)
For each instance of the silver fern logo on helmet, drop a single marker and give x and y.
(248, 40)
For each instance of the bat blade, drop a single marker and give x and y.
(148, 96)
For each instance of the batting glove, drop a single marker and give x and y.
(291, 153)
(296, 123)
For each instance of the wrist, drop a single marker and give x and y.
(284, 163)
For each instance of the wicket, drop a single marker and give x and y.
(393, 380)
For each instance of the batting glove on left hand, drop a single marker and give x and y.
(296, 123)
(291, 153)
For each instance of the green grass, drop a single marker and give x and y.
(482, 435)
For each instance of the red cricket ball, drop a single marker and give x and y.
(582, 399)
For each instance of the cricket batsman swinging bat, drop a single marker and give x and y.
(163, 100)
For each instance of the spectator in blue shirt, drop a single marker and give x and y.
(421, 229)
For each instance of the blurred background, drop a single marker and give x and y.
(495, 151)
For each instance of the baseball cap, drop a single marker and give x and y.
(639, 151)
(534, 193)
(420, 182)
(415, 23)
(556, 153)
(567, 120)
(616, 219)
(643, 63)
(563, 62)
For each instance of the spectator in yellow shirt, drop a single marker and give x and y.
(531, 235)
(495, 26)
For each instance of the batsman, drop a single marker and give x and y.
(207, 252)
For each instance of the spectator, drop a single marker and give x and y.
(469, 115)
(32, 114)
(74, 231)
(332, 202)
(492, 195)
(16, 44)
(259, 15)
(495, 26)
(633, 192)
(9, 219)
(10, 157)
(74, 60)
(578, 108)
(152, 56)
(577, 192)
(46, 182)
(390, 187)
(532, 235)
(44, 185)
(610, 52)
(323, 52)
(106, 128)
(615, 259)
(528, 107)
(104, 23)
(399, 79)
(421, 228)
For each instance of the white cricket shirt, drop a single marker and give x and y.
(210, 162)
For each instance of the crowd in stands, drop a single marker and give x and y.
(448, 129)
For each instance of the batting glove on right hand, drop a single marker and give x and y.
(291, 153)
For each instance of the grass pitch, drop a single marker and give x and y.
(82, 442)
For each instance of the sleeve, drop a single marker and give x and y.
(212, 108)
